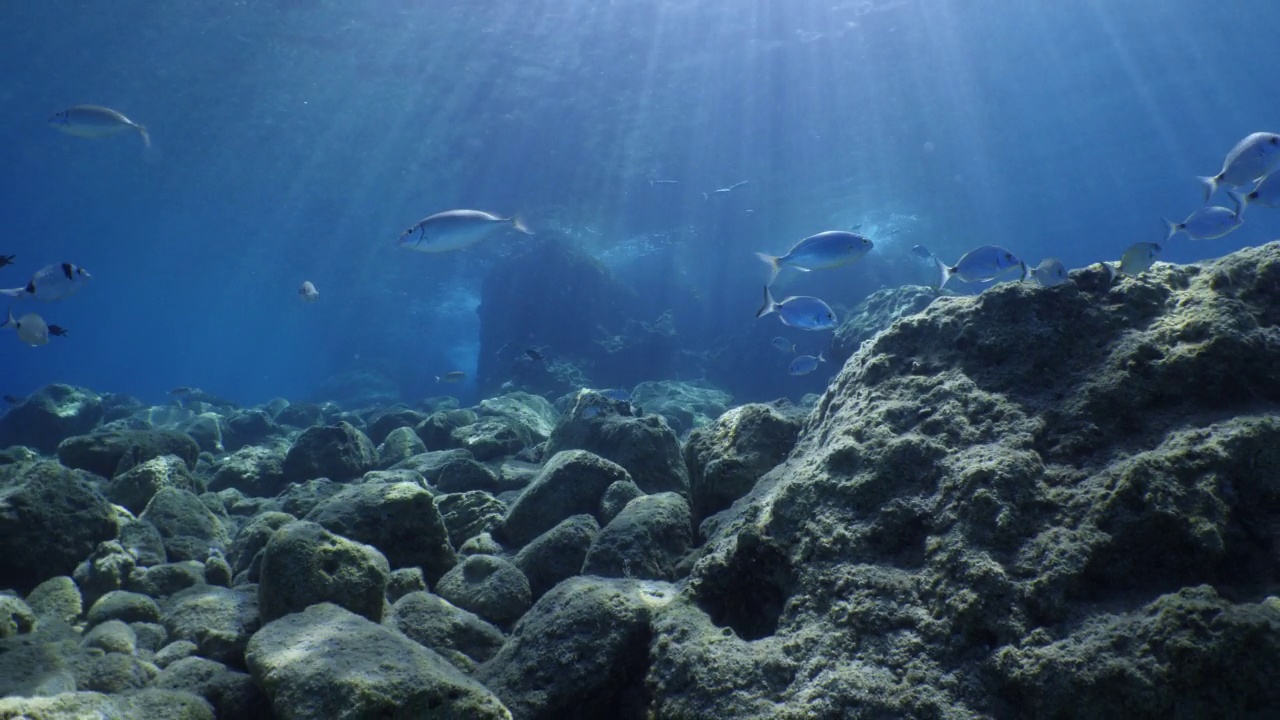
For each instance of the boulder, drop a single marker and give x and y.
(50, 415)
(339, 452)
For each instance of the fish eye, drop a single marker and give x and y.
(1275, 140)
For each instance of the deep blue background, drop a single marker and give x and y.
(294, 140)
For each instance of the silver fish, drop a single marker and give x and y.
(783, 344)
(1266, 193)
(92, 121)
(51, 283)
(32, 329)
(455, 229)
(978, 265)
(1048, 273)
(805, 364)
(804, 312)
(308, 292)
(1137, 259)
(1209, 223)
(1252, 158)
(823, 251)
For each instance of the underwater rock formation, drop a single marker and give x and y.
(49, 416)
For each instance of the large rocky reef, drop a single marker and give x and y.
(1034, 502)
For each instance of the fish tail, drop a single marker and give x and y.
(519, 225)
(1210, 186)
(774, 263)
(437, 378)
(9, 322)
(1111, 272)
(146, 136)
(1172, 229)
(1241, 202)
(944, 272)
(769, 305)
(13, 292)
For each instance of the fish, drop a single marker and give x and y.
(52, 283)
(805, 364)
(823, 251)
(14, 399)
(724, 190)
(6, 260)
(664, 182)
(452, 377)
(783, 344)
(182, 390)
(799, 311)
(1208, 223)
(31, 328)
(1048, 273)
(93, 121)
(535, 355)
(308, 292)
(1266, 193)
(57, 330)
(921, 252)
(978, 265)
(455, 230)
(1137, 259)
(1254, 157)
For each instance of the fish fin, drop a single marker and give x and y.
(519, 225)
(775, 266)
(1172, 229)
(1026, 272)
(146, 137)
(1111, 272)
(14, 292)
(1240, 202)
(769, 305)
(944, 272)
(802, 269)
(1210, 187)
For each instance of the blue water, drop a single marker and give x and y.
(294, 141)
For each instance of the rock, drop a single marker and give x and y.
(429, 464)
(134, 488)
(253, 537)
(254, 470)
(327, 662)
(571, 483)
(557, 554)
(150, 704)
(244, 428)
(468, 514)
(534, 414)
(218, 620)
(124, 606)
(217, 571)
(49, 520)
(117, 406)
(16, 617)
(338, 452)
(110, 451)
(465, 474)
(57, 598)
(436, 431)
(492, 438)
(150, 637)
(726, 458)
(399, 445)
(488, 586)
(106, 569)
(111, 636)
(114, 673)
(400, 520)
(163, 580)
(880, 310)
(646, 540)
(50, 415)
(390, 477)
(685, 406)
(581, 651)
(300, 415)
(645, 446)
(404, 581)
(232, 694)
(301, 498)
(206, 430)
(394, 418)
(304, 564)
(616, 497)
(460, 636)
(180, 516)
(141, 541)
(174, 651)
(482, 544)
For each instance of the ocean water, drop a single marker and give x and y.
(295, 140)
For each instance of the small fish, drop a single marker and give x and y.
(803, 312)
(452, 377)
(664, 182)
(14, 399)
(6, 260)
(823, 251)
(725, 190)
(455, 229)
(1137, 259)
(783, 344)
(52, 283)
(1208, 223)
(978, 265)
(92, 121)
(534, 355)
(1266, 193)
(1048, 273)
(31, 328)
(922, 252)
(57, 330)
(1252, 158)
(182, 390)
(805, 364)
(308, 292)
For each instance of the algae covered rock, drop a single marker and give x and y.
(557, 554)
(488, 586)
(50, 519)
(571, 483)
(645, 446)
(727, 457)
(107, 452)
(437, 624)
(327, 662)
(878, 311)
(256, 470)
(304, 564)
(647, 540)
(685, 406)
(50, 415)
(339, 452)
(218, 620)
(135, 487)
